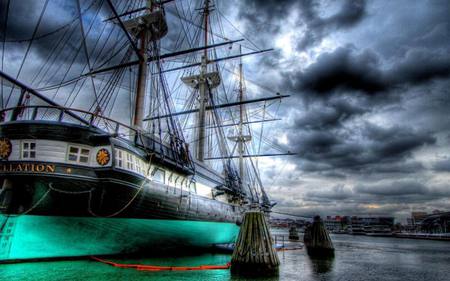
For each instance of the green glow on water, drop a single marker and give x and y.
(44, 236)
(357, 258)
(91, 270)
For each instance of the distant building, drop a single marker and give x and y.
(371, 225)
(415, 221)
(359, 224)
(286, 222)
(437, 223)
(336, 224)
(418, 216)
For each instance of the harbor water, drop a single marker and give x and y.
(357, 258)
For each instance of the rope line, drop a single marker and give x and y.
(142, 267)
(129, 202)
(38, 202)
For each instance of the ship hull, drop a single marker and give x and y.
(39, 237)
(66, 221)
(54, 205)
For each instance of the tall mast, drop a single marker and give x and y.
(241, 121)
(204, 82)
(240, 138)
(142, 75)
(203, 96)
(149, 27)
(141, 82)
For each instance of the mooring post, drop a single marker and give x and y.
(254, 253)
(293, 233)
(317, 240)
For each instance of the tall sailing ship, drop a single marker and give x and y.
(112, 133)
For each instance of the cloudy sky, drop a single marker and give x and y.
(369, 112)
(370, 109)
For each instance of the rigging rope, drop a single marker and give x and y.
(86, 53)
(129, 202)
(3, 48)
(61, 28)
(35, 205)
(29, 47)
(243, 35)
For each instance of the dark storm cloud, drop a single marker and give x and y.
(382, 194)
(335, 193)
(271, 16)
(350, 14)
(401, 167)
(330, 115)
(369, 151)
(341, 69)
(346, 69)
(332, 174)
(393, 189)
(395, 141)
(442, 166)
(404, 191)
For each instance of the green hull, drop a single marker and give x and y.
(34, 237)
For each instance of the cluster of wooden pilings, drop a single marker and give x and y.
(254, 253)
(317, 240)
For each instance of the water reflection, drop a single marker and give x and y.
(254, 278)
(357, 258)
(321, 265)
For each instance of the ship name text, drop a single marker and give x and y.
(27, 167)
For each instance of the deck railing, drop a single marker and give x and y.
(177, 154)
(67, 115)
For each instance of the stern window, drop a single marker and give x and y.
(192, 187)
(78, 154)
(138, 165)
(28, 150)
(130, 163)
(119, 158)
(158, 175)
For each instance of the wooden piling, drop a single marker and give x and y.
(254, 253)
(293, 233)
(317, 240)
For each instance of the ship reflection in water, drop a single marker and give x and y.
(357, 258)
(320, 266)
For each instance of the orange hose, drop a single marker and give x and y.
(142, 267)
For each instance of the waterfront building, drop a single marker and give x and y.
(286, 222)
(415, 221)
(371, 225)
(437, 223)
(336, 224)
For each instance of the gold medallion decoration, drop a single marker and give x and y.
(5, 148)
(103, 157)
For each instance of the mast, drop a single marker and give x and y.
(241, 121)
(149, 27)
(141, 81)
(204, 82)
(203, 97)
